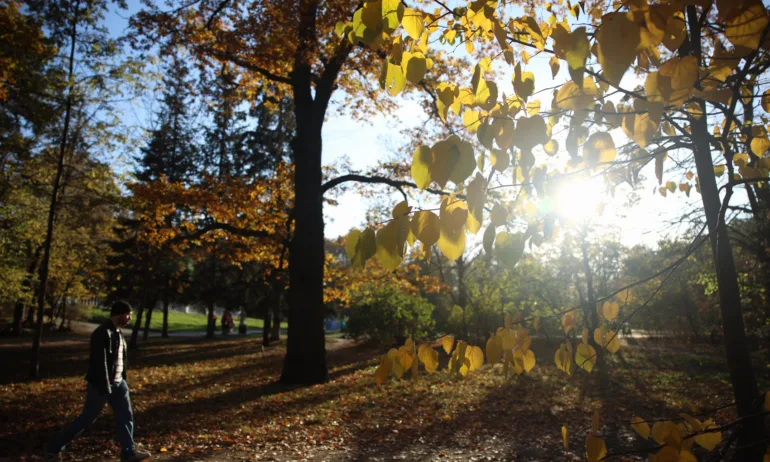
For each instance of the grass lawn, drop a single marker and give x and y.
(179, 322)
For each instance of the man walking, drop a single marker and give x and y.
(106, 379)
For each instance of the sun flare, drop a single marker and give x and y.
(581, 198)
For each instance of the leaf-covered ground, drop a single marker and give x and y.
(197, 399)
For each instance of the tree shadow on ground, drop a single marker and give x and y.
(240, 382)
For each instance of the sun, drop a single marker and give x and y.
(581, 198)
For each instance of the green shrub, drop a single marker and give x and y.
(387, 313)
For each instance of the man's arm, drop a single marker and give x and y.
(99, 362)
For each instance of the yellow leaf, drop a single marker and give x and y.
(528, 360)
(599, 148)
(741, 159)
(568, 321)
(599, 336)
(499, 159)
(572, 97)
(641, 427)
(551, 147)
(163, 450)
(388, 252)
(494, 350)
(675, 32)
(554, 63)
(595, 448)
(394, 80)
(414, 66)
(711, 438)
(766, 100)
(585, 357)
(405, 358)
(426, 227)
(429, 357)
(476, 355)
(618, 40)
(745, 29)
(719, 170)
(563, 358)
(413, 23)
(471, 120)
(498, 216)
(351, 242)
(509, 248)
(383, 371)
(664, 432)
(610, 310)
(489, 239)
(564, 439)
(392, 13)
(523, 82)
(447, 342)
(611, 342)
(530, 131)
(422, 161)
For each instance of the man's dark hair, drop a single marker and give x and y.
(120, 307)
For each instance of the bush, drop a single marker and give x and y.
(385, 314)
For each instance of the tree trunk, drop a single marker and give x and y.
(34, 368)
(18, 312)
(211, 325)
(133, 344)
(462, 295)
(305, 361)
(164, 333)
(267, 323)
(150, 308)
(275, 329)
(63, 313)
(750, 444)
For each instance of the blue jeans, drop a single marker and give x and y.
(124, 418)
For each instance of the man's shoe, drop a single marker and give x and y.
(136, 456)
(50, 457)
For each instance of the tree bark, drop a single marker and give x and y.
(133, 343)
(18, 312)
(164, 333)
(750, 444)
(34, 368)
(305, 361)
(266, 324)
(275, 330)
(150, 308)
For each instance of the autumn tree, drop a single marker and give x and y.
(695, 62)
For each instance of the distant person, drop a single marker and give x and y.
(106, 383)
(242, 329)
(227, 319)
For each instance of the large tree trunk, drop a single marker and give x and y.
(34, 367)
(750, 445)
(212, 324)
(305, 361)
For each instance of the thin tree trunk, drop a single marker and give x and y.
(34, 368)
(18, 313)
(275, 329)
(133, 343)
(150, 309)
(266, 330)
(750, 445)
(164, 333)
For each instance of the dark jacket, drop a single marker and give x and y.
(104, 355)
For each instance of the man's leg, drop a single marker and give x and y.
(93, 406)
(124, 417)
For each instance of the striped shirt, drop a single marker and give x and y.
(119, 360)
